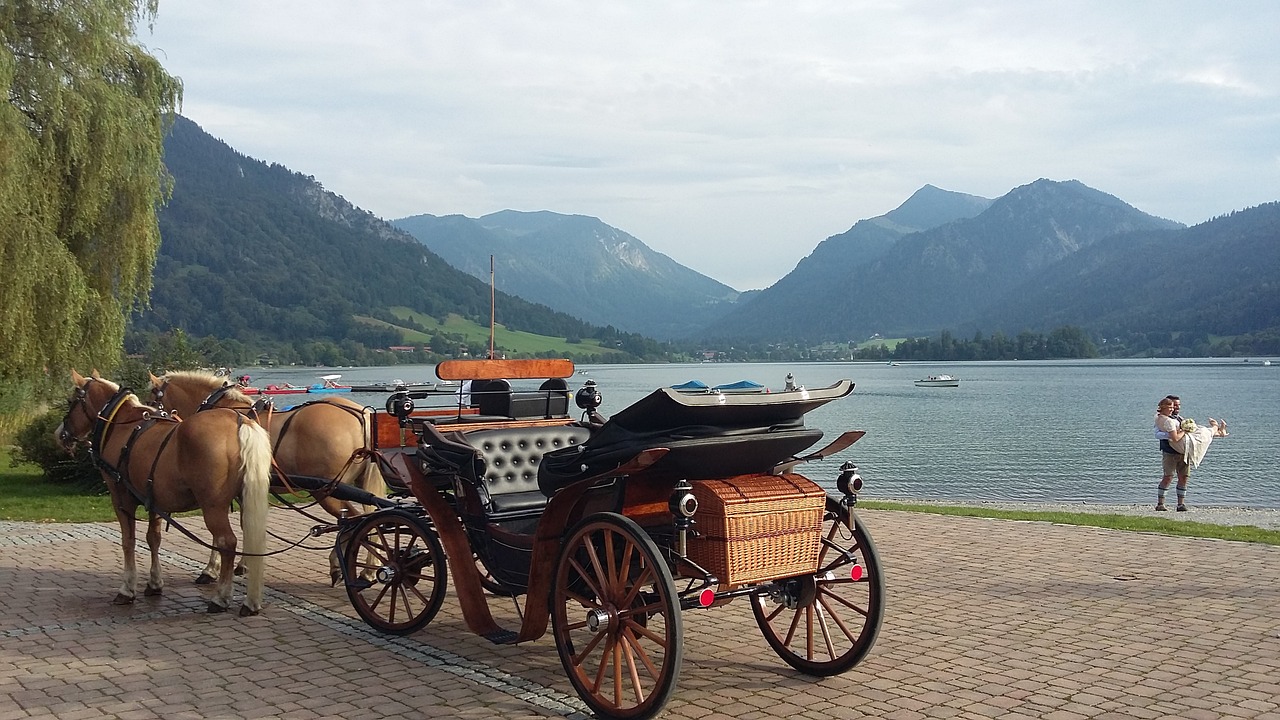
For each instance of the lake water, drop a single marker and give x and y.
(1043, 431)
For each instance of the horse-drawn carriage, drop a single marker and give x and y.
(608, 529)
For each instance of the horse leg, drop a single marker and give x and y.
(210, 570)
(224, 542)
(128, 534)
(155, 582)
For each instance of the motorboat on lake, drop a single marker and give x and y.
(282, 389)
(939, 381)
(328, 384)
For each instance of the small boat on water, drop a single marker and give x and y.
(697, 387)
(282, 389)
(939, 381)
(692, 386)
(393, 386)
(742, 386)
(328, 384)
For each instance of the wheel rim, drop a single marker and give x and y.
(396, 575)
(616, 618)
(826, 623)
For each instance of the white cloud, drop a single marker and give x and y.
(736, 136)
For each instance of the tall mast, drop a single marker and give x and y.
(492, 307)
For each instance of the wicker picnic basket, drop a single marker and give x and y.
(757, 527)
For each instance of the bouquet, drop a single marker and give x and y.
(1188, 426)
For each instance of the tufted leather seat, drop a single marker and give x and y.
(511, 457)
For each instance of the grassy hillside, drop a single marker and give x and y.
(514, 341)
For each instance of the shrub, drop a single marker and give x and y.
(36, 444)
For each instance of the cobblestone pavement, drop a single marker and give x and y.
(985, 619)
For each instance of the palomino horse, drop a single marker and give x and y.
(318, 439)
(168, 465)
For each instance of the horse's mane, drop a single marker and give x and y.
(132, 399)
(208, 380)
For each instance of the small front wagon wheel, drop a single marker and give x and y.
(616, 618)
(395, 571)
(824, 624)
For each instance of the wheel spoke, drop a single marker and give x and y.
(605, 651)
(587, 578)
(630, 637)
(823, 598)
(600, 573)
(631, 666)
(861, 611)
(821, 615)
(595, 640)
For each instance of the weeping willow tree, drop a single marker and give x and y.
(81, 180)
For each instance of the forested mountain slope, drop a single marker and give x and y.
(253, 251)
(580, 265)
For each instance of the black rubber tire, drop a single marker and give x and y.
(615, 584)
(835, 618)
(408, 568)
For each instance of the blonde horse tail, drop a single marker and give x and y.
(371, 478)
(255, 456)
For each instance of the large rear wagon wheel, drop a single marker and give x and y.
(395, 571)
(826, 623)
(616, 618)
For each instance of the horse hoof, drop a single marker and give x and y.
(334, 577)
(204, 579)
(245, 611)
(122, 599)
(215, 608)
(152, 592)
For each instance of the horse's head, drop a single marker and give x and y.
(90, 396)
(159, 392)
(188, 392)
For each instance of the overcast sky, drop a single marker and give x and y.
(736, 136)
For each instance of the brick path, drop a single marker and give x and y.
(985, 619)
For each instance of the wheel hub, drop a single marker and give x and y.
(385, 574)
(799, 592)
(598, 618)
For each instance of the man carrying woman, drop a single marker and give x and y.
(1182, 447)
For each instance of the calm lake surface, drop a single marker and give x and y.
(1048, 431)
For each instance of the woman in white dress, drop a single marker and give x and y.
(1186, 437)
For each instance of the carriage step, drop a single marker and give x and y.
(502, 637)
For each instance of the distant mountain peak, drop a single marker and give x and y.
(931, 206)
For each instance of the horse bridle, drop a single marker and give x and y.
(80, 400)
(157, 393)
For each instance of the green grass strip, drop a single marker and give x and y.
(1135, 523)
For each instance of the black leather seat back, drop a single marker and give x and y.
(492, 397)
(510, 457)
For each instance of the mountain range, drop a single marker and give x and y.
(940, 261)
(580, 265)
(253, 251)
(258, 254)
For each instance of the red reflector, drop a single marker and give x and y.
(706, 597)
(856, 572)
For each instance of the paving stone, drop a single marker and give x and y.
(984, 619)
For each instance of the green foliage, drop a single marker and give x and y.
(80, 179)
(37, 445)
(1063, 342)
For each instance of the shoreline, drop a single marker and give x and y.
(1265, 518)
